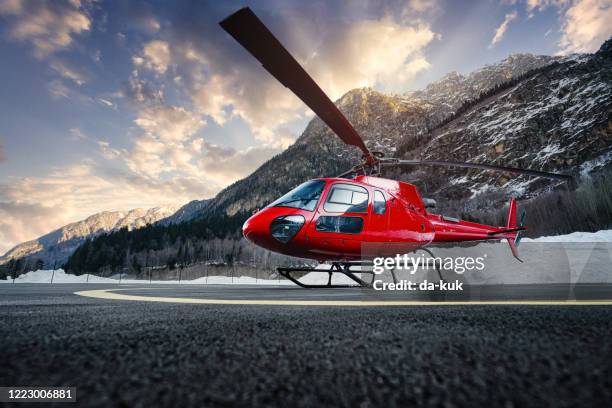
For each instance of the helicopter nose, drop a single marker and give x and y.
(247, 228)
(251, 229)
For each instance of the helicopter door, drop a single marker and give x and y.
(379, 218)
(339, 224)
(377, 234)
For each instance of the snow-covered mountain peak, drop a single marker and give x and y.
(59, 244)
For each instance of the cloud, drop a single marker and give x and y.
(377, 53)
(169, 145)
(141, 91)
(148, 23)
(165, 145)
(58, 89)
(96, 55)
(68, 71)
(106, 102)
(48, 25)
(501, 30)
(140, 15)
(21, 222)
(2, 154)
(223, 81)
(586, 25)
(540, 5)
(228, 165)
(155, 56)
(168, 123)
(422, 5)
(77, 134)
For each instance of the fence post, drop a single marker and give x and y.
(54, 263)
(255, 266)
(207, 260)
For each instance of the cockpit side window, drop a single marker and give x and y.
(339, 224)
(347, 198)
(380, 204)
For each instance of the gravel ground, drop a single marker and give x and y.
(126, 353)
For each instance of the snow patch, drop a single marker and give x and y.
(589, 166)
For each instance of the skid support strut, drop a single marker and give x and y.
(347, 269)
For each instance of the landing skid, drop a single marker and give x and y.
(343, 268)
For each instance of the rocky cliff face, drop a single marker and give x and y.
(448, 93)
(56, 246)
(558, 119)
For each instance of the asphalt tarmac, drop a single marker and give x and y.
(145, 352)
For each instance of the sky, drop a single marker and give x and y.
(114, 105)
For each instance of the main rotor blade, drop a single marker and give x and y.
(252, 34)
(528, 172)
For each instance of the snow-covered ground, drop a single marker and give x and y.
(599, 236)
(579, 257)
(576, 257)
(44, 276)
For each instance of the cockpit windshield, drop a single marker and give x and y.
(305, 196)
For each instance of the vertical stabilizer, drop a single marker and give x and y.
(514, 237)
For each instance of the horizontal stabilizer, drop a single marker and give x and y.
(508, 230)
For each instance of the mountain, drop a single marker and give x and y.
(548, 113)
(56, 246)
(446, 95)
(186, 213)
(386, 122)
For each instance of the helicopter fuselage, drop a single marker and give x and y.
(349, 219)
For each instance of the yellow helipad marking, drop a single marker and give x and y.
(110, 294)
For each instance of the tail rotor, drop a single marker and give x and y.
(521, 224)
(513, 231)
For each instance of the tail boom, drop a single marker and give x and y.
(453, 230)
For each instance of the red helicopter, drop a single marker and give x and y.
(350, 220)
